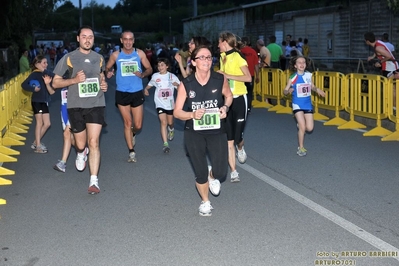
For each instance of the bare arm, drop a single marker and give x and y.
(245, 77)
(111, 61)
(60, 82)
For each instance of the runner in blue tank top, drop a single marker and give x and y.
(300, 85)
(129, 97)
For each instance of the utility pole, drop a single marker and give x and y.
(170, 25)
(195, 12)
(80, 13)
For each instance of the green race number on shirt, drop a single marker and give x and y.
(210, 120)
(89, 88)
(128, 68)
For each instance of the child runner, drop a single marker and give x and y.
(68, 136)
(300, 85)
(165, 84)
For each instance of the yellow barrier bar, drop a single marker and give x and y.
(2, 202)
(333, 84)
(393, 93)
(287, 109)
(5, 171)
(8, 151)
(5, 182)
(18, 128)
(352, 91)
(6, 158)
(259, 93)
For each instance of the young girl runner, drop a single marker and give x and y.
(300, 85)
(165, 84)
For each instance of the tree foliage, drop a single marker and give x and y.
(20, 18)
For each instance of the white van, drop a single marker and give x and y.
(116, 29)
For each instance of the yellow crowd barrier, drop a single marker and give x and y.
(360, 95)
(393, 93)
(15, 112)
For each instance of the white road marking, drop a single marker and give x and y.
(338, 220)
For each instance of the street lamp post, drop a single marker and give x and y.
(170, 25)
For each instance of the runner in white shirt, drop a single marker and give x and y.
(165, 83)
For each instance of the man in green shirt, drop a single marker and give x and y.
(24, 62)
(276, 52)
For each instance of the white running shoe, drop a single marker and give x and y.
(214, 184)
(132, 157)
(205, 209)
(81, 159)
(241, 155)
(234, 177)
(93, 187)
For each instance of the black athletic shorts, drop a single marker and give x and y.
(40, 108)
(133, 99)
(79, 117)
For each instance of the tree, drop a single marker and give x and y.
(393, 5)
(20, 17)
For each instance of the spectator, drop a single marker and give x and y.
(24, 62)
(252, 60)
(385, 40)
(305, 48)
(276, 53)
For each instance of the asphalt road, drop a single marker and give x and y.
(340, 202)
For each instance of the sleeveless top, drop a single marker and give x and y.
(207, 96)
(127, 64)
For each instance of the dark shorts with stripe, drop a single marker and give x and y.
(79, 117)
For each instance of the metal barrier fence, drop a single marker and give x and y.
(362, 95)
(15, 112)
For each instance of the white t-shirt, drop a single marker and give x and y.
(164, 89)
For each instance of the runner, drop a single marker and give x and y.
(129, 96)
(165, 84)
(86, 102)
(208, 98)
(300, 85)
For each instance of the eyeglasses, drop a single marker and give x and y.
(203, 58)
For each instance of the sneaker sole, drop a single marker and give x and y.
(205, 214)
(166, 150)
(81, 170)
(130, 160)
(93, 190)
(234, 180)
(58, 169)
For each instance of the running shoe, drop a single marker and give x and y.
(241, 155)
(81, 159)
(234, 177)
(41, 146)
(171, 134)
(205, 209)
(166, 148)
(214, 184)
(301, 151)
(132, 157)
(60, 166)
(93, 187)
